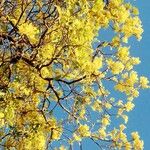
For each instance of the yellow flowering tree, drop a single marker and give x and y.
(55, 72)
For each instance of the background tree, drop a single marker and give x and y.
(58, 82)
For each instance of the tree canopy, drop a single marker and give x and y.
(59, 82)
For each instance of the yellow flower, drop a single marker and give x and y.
(115, 41)
(105, 120)
(102, 133)
(123, 53)
(132, 79)
(77, 137)
(122, 137)
(108, 105)
(2, 93)
(122, 127)
(1, 115)
(135, 135)
(144, 82)
(128, 146)
(97, 106)
(135, 60)
(82, 113)
(83, 130)
(129, 106)
(30, 30)
(135, 11)
(117, 67)
(56, 133)
(138, 144)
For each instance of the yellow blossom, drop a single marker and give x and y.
(30, 31)
(116, 67)
(1, 115)
(105, 120)
(129, 106)
(144, 82)
(84, 131)
(102, 133)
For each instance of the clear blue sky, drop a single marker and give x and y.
(139, 118)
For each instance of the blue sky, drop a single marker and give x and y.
(139, 118)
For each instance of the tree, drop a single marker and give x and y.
(59, 81)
